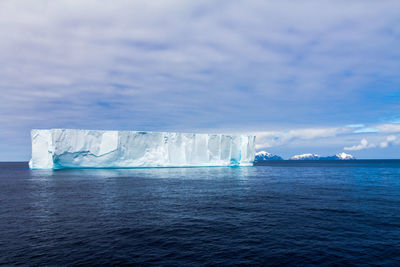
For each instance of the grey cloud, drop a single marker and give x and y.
(178, 65)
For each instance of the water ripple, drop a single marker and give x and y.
(293, 214)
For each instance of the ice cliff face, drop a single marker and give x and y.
(67, 148)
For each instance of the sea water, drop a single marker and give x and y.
(294, 213)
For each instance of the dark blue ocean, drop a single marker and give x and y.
(286, 212)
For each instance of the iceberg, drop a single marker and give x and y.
(72, 148)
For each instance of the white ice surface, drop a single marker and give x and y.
(69, 148)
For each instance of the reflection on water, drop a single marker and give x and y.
(288, 213)
(110, 188)
(240, 173)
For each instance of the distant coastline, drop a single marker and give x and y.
(262, 156)
(339, 163)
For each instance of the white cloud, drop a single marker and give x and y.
(360, 125)
(363, 145)
(390, 140)
(316, 133)
(272, 139)
(388, 127)
(279, 138)
(366, 130)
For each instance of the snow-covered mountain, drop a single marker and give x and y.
(339, 156)
(264, 156)
(307, 156)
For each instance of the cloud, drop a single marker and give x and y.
(390, 140)
(366, 130)
(389, 128)
(356, 125)
(363, 145)
(273, 139)
(291, 68)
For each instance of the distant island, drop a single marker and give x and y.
(266, 156)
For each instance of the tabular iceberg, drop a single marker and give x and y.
(70, 148)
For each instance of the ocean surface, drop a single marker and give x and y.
(284, 212)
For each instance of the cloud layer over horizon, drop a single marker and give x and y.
(308, 76)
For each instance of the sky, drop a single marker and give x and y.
(305, 76)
